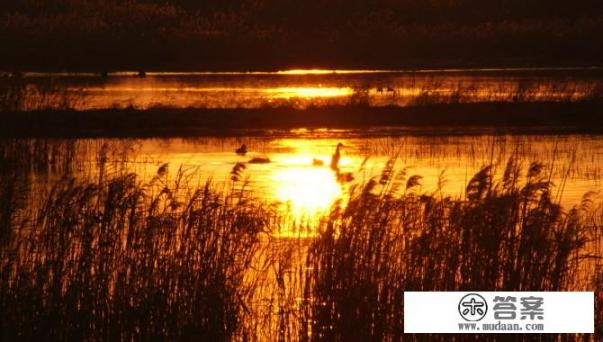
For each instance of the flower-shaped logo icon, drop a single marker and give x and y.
(473, 307)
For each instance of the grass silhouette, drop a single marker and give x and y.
(117, 258)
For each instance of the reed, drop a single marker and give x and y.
(506, 234)
(118, 258)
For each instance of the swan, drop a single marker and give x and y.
(335, 158)
(259, 160)
(317, 162)
(241, 150)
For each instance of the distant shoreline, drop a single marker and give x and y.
(465, 118)
(592, 70)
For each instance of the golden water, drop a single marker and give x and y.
(302, 88)
(303, 191)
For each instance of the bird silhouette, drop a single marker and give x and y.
(242, 150)
(344, 177)
(259, 160)
(162, 170)
(335, 158)
(317, 162)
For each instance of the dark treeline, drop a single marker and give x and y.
(271, 34)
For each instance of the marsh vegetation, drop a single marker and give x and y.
(153, 187)
(194, 104)
(120, 256)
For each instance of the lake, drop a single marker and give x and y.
(309, 224)
(304, 88)
(298, 179)
(303, 190)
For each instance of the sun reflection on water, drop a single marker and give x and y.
(308, 92)
(328, 71)
(305, 186)
(308, 190)
(300, 185)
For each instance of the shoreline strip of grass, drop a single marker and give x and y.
(525, 118)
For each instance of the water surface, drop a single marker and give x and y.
(303, 88)
(303, 191)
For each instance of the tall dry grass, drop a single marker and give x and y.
(120, 259)
(507, 234)
(21, 94)
(436, 91)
